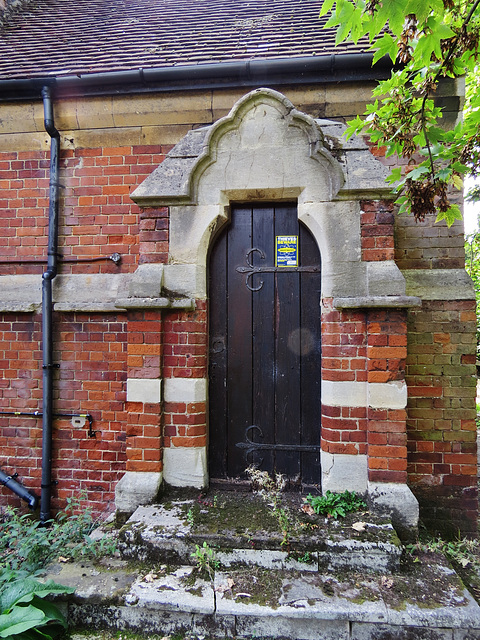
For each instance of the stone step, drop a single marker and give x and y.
(423, 600)
(242, 529)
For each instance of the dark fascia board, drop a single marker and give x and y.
(247, 73)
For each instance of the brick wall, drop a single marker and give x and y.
(185, 356)
(97, 218)
(441, 413)
(90, 351)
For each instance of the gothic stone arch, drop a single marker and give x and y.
(265, 150)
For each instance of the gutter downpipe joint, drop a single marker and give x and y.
(47, 307)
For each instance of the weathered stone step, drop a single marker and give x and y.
(242, 530)
(424, 600)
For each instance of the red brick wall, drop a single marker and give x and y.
(441, 413)
(97, 218)
(387, 439)
(185, 356)
(91, 353)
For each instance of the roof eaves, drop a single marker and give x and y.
(246, 73)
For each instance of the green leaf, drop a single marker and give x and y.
(51, 611)
(20, 619)
(385, 46)
(395, 175)
(418, 172)
(450, 215)
(25, 589)
(326, 7)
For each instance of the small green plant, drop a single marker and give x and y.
(306, 558)
(206, 560)
(464, 552)
(190, 517)
(24, 614)
(270, 488)
(334, 505)
(25, 544)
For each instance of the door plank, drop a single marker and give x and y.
(239, 340)
(287, 383)
(309, 344)
(263, 366)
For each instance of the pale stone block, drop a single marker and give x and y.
(146, 391)
(17, 118)
(185, 389)
(342, 472)
(95, 113)
(135, 489)
(186, 279)
(163, 108)
(397, 501)
(439, 284)
(190, 232)
(146, 281)
(387, 395)
(384, 279)
(379, 395)
(92, 138)
(25, 289)
(25, 142)
(84, 288)
(344, 393)
(65, 112)
(185, 466)
(164, 134)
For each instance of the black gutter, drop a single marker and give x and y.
(47, 308)
(352, 67)
(16, 487)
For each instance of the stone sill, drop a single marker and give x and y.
(377, 302)
(155, 303)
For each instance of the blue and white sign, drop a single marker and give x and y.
(286, 251)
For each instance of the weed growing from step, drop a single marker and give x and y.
(27, 545)
(334, 505)
(270, 488)
(206, 561)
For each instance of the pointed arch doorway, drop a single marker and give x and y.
(265, 358)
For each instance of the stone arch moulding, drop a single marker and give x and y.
(266, 150)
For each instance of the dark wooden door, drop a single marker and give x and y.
(264, 347)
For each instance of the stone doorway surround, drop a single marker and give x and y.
(265, 150)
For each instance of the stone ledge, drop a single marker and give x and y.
(155, 303)
(377, 302)
(19, 307)
(85, 307)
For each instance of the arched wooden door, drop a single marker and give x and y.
(264, 389)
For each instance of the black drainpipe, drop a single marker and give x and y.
(47, 308)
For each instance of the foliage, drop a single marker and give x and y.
(24, 614)
(334, 505)
(426, 40)
(206, 560)
(472, 265)
(26, 544)
(270, 488)
(463, 552)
